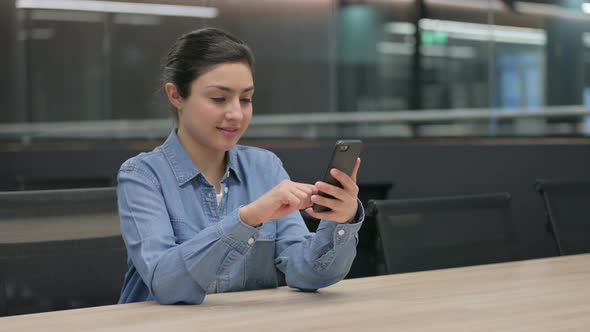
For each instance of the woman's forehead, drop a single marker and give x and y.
(228, 77)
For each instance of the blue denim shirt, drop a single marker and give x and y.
(182, 245)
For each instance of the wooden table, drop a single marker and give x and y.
(536, 295)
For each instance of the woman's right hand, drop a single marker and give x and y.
(286, 197)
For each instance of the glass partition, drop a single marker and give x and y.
(325, 68)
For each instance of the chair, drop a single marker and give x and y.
(443, 232)
(368, 260)
(59, 249)
(568, 213)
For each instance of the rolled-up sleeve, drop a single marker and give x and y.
(175, 273)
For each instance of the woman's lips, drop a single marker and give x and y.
(229, 132)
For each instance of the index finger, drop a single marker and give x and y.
(356, 169)
(309, 188)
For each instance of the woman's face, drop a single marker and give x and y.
(219, 108)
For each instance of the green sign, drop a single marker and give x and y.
(434, 38)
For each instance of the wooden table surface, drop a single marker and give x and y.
(537, 295)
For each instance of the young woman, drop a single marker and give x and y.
(200, 214)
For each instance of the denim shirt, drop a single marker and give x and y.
(182, 245)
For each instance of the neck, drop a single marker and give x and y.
(209, 161)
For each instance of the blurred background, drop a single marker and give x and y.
(326, 68)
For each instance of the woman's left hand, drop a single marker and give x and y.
(344, 202)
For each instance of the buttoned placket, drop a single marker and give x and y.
(221, 211)
(207, 192)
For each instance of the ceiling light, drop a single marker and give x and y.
(120, 7)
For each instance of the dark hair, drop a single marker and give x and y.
(194, 53)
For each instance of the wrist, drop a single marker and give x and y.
(248, 217)
(354, 215)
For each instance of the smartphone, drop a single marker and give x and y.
(344, 156)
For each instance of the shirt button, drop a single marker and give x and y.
(341, 232)
(225, 190)
(250, 241)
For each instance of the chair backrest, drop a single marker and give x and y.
(59, 249)
(567, 205)
(61, 202)
(443, 232)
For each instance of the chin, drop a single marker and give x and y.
(228, 146)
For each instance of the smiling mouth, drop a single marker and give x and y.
(229, 130)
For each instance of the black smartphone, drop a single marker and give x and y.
(343, 158)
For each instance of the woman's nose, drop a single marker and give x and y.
(234, 110)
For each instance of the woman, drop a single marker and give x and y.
(200, 214)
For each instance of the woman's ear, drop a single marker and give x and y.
(173, 95)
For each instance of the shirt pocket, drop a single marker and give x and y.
(260, 268)
(182, 231)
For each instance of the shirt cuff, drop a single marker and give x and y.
(236, 233)
(341, 233)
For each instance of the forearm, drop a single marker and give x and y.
(183, 273)
(323, 258)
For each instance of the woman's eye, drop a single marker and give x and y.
(218, 99)
(246, 100)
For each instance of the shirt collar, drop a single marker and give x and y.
(233, 163)
(182, 165)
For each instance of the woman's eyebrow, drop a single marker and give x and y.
(228, 89)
